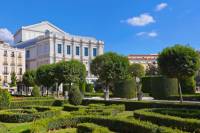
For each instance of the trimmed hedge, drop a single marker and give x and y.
(28, 114)
(91, 128)
(186, 97)
(189, 125)
(183, 113)
(134, 105)
(160, 87)
(69, 107)
(100, 109)
(50, 102)
(125, 89)
(16, 98)
(188, 85)
(114, 124)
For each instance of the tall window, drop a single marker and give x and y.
(5, 70)
(12, 54)
(20, 71)
(77, 50)
(68, 49)
(59, 48)
(94, 51)
(5, 53)
(27, 54)
(86, 51)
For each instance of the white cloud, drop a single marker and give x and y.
(142, 20)
(6, 35)
(161, 6)
(149, 34)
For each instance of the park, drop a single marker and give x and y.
(115, 103)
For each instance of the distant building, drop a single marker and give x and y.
(143, 59)
(46, 44)
(12, 60)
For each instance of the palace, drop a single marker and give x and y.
(46, 44)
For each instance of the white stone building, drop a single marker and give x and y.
(12, 60)
(45, 44)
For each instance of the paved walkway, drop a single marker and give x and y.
(143, 99)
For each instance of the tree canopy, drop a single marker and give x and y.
(136, 70)
(179, 62)
(29, 78)
(110, 68)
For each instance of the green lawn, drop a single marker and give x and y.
(17, 127)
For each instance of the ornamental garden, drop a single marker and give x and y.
(115, 103)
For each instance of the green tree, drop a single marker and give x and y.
(35, 91)
(75, 96)
(69, 72)
(13, 80)
(45, 76)
(5, 99)
(110, 68)
(179, 62)
(136, 70)
(29, 79)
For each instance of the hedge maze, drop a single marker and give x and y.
(98, 116)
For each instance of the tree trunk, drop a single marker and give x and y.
(106, 93)
(180, 92)
(57, 89)
(47, 91)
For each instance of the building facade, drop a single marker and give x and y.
(143, 59)
(46, 44)
(12, 60)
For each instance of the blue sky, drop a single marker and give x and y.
(126, 26)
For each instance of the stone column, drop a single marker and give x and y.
(54, 43)
(73, 48)
(63, 39)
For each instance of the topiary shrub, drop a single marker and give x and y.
(188, 85)
(125, 89)
(162, 87)
(5, 99)
(36, 91)
(90, 88)
(82, 87)
(75, 96)
(146, 84)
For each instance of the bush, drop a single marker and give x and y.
(5, 98)
(186, 97)
(160, 87)
(114, 124)
(28, 114)
(89, 88)
(188, 85)
(146, 84)
(69, 107)
(91, 128)
(35, 91)
(100, 109)
(75, 97)
(183, 113)
(23, 103)
(190, 125)
(82, 87)
(125, 89)
(134, 105)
